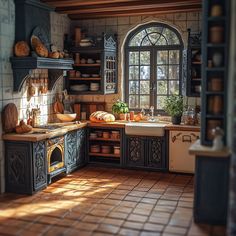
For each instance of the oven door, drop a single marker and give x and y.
(55, 157)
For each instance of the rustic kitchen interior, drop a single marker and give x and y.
(117, 117)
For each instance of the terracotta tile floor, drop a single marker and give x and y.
(106, 201)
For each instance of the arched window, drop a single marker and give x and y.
(153, 55)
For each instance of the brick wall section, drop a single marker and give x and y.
(122, 26)
(60, 25)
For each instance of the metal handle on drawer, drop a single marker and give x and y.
(175, 137)
(186, 138)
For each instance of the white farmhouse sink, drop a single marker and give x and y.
(145, 129)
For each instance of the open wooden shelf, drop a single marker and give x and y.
(84, 79)
(88, 65)
(104, 155)
(104, 139)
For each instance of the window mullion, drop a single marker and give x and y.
(139, 84)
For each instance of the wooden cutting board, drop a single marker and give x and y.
(9, 117)
(58, 107)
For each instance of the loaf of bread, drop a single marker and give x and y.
(41, 50)
(54, 55)
(101, 116)
(22, 49)
(23, 128)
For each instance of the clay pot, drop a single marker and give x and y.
(122, 116)
(216, 10)
(215, 105)
(215, 85)
(176, 120)
(217, 59)
(216, 34)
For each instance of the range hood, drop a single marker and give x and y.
(30, 14)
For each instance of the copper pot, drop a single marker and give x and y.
(216, 34)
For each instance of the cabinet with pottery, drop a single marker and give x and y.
(95, 68)
(214, 68)
(105, 145)
(194, 62)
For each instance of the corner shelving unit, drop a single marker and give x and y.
(214, 68)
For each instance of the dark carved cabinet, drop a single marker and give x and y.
(135, 151)
(81, 147)
(74, 149)
(39, 165)
(156, 153)
(25, 167)
(147, 152)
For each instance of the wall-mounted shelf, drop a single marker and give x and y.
(23, 66)
(103, 62)
(192, 65)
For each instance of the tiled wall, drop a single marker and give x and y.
(60, 24)
(122, 26)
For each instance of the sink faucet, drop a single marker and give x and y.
(152, 114)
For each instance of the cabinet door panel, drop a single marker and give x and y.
(135, 151)
(70, 150)
(81, 135)
(39, 165)
(18, 167)
(156, 155)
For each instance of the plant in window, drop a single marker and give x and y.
(173, 105)
(120, 108)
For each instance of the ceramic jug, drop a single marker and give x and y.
(217, 59)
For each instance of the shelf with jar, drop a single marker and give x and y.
(105, 145)
(215, 63)
(95, 67)
(192, 65)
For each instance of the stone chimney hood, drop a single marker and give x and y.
(30, 14)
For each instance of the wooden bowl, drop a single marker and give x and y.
(66, 117)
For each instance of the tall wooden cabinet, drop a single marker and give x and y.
(214, 68)
(95, 68)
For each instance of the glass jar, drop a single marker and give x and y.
(189, 116)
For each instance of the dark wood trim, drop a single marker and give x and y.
(114, 8)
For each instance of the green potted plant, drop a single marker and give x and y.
(173, 105)
(120, 108)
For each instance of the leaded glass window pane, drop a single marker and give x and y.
(154, 62)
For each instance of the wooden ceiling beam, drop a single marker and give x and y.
(124, 7)
(68, 3)
(134, 12)
(90, 9)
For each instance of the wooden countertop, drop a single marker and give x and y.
(199, 150)
(115, 124)
(183, 127)
(38, 134)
